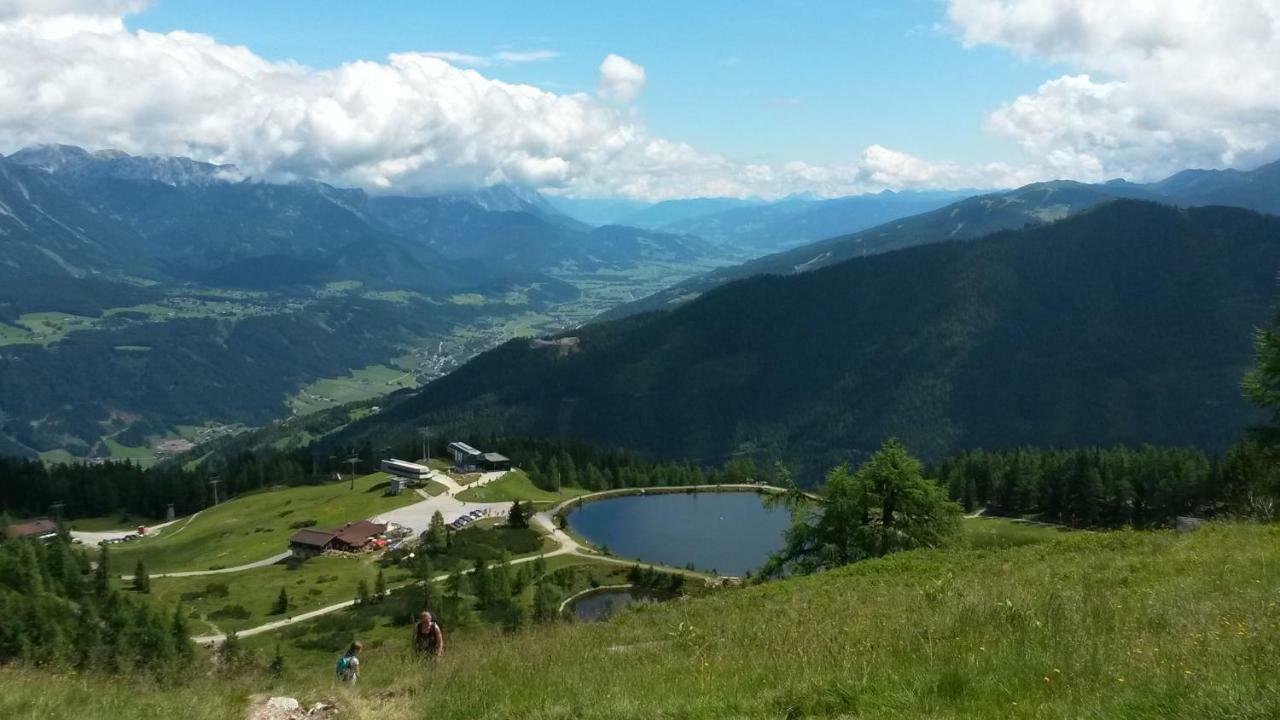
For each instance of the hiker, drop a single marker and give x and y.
(349, 664)
(427, 636)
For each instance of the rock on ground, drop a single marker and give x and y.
(286, 708)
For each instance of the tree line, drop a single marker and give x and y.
(60, 612)
(1114, 487)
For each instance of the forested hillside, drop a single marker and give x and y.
(1130, 323)
(973, 217)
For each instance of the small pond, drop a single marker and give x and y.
(606, 603)
(728, 532)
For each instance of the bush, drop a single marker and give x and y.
(217, 590)
(231, 612)
(300, 524)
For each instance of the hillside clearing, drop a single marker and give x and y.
(258, 525)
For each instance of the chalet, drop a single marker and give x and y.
(308, 542)
(41, 529)
(352, 537)
(357, 536)
(469, 459)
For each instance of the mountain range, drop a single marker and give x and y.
(980, 215)
(1128, 322)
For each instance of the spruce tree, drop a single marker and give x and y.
(182, 635)
(380, 586)
(230, 653)
(436, 539)
(456, 584)
(141, 581)
(102, 574)
(482, 584)
(516, 517)
(362, 592)
(281, 605)
(276, 668)
(545, 602)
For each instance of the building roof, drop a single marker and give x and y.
(313, 538)
(37, 527)
(359, 532)
(463, 448)
(496, 458)
(406, 465)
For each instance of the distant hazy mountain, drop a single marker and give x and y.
(67, 211)
(597, 211)
(667, 212)
(1128, 323)
(977, 216)
(72, 161)
(968, 218)
(769, 227)
(524, 241)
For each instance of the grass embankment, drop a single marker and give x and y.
(235, 601)
(513, 486)
(256, 526)
(1115, 625)
(1090, 625)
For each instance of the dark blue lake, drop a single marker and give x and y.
(604, 605)
(728, 532)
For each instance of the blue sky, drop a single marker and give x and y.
(757, 81)
(653, 100)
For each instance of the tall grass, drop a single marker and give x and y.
(1100, 625)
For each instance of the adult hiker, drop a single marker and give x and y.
(428, 639)
(348, 668)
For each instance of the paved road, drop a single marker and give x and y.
(413, 516)
(416, 517)
(238, 568)
(93, 538)
(303, 617)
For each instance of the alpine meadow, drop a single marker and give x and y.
(692, 361)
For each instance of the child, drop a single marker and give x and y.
(349, 664)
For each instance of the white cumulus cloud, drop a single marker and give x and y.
(414, 123)
(1157, 85)
(620, 79)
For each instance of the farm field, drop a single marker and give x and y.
(361, 384)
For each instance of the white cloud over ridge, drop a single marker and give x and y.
(416, 123)
(1159, 85)
(1155, 87)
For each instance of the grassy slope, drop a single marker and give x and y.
(1119, 625)
(254, 527)
(515, 485)
(319, 582)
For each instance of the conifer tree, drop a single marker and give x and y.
(456, 584)
(545, 602)
(516, 516)
(276, 668)
(436, 539)
(281, 605)
(379, 586)
(482, 584)
(362, 592)
(102, 574)
(141, 581)
(182, 635)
